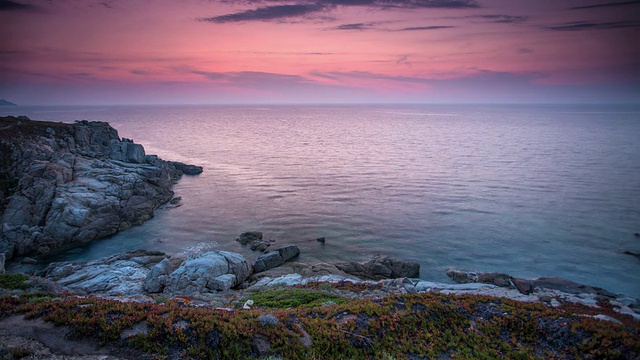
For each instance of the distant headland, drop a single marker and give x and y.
(4, 102)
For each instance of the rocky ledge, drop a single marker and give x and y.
(64, 183)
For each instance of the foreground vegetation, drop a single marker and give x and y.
(296, 323)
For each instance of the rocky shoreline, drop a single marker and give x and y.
(66, 183)
(71, 183)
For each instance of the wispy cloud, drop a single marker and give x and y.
(424, 28)
(614, 4)
(355, 26)
(304, 8)
(504, 19)
(267, 13)
(586, 25)
(8, 5)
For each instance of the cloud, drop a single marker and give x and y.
(585, 25)
(421, 28)
(268, 13)
(357, 26)
(615, 4)
(504, 19)
(307, 8)
(8, 5)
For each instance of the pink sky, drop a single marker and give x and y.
(319, 51)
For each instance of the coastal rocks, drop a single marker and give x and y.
(275, 258)
(381, 267)
(211, 271)
(158, 277)
(122, 274)
(186, 168)
(70, 183)
(463, 277)
(254, 240)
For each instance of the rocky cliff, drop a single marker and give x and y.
(66, 183)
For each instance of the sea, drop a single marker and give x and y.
(527, 190)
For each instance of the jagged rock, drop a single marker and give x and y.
(381, 267)
(288, 252)
(260, 245)
(68, 183)
(158, 277)
(186, 168)
(268, 261)
(275, 258)
(462, 277)
(211, 271)
(249, 236)
(122, 274)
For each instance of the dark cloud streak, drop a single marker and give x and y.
(267, 13)
(585, 25)
(621, 3)
(422, 28)
(307, 8)
(8, 5)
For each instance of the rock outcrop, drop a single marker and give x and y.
(381, 267)
(254, 240)
(525, 286)
(275, 258)
(211, 271)
(68, 183)
(122, 274)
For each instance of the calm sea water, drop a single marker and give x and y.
(527, 190)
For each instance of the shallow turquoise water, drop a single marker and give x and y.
(528, 190)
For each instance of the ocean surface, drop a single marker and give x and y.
(526, 190)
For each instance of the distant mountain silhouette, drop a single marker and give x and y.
(4, 102)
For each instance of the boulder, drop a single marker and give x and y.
(381, 267)
(463, 277)
(275, 258)
(158, 277)
(211, 271)
(248, 237)
(268, 261)
(288, 252)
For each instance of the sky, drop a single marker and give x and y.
(81, 52)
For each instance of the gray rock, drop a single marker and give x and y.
(187, 169)
(222, 282)
(249, 236)
(288, 252)
(75, 184)
(381, 267)
(2, 261)
(498, 279)
(122, 274)
(29, 261)
(158, 277)
(204, 273)
(268, 261)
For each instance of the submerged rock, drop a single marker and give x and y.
(381, 267)
(72, 183)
